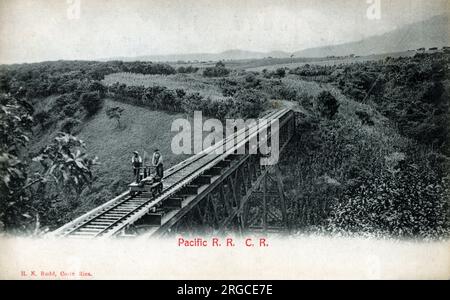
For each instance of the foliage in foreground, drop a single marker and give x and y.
(409, 203)
(30, 201)
(344, 178)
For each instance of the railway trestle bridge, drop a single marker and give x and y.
(208, 192)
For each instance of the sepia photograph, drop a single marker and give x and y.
(213, 139)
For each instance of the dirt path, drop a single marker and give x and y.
(281, 104)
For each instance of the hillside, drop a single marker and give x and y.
(141, 130)
(433, 32)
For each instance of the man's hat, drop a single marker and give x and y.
(156, 149)
(135, 152)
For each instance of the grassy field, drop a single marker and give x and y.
(292, 63)
(191, 83)
(302, 86)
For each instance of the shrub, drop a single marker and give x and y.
(410, 204)
(327, 104)
(280, 72)
(167, 100)
(92, 102)
(219, 109)
(96, 86)
(69, 124)
(115, 113)
(411, 91)
(186, 70)
(192, 102)
(180, 93)
(250, 77)
(218, 70)
(229, 87)
(288, 93)
(63, 101)
(147, 68)
(249, 103)
(305, 100)
(70, 110)
(364, 117)
(42, 117)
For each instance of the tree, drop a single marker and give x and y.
(327, 104)
(115, 113)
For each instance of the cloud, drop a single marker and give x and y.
(36, 30)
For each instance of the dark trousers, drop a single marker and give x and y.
(160, 171)
(136, 172)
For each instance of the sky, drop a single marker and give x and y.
(39, 30)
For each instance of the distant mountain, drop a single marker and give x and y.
(226, 55)
(433, 32)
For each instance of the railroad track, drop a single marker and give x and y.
(112, 217)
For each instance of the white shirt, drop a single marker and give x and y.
(157, 161)
(134, 159)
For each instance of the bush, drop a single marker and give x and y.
(219, 109)
(305, 100)
(63, 101)
(411, 203)
(327, 104)
(249, 103)
(192, 102)
(229, 87)
(42, 117)
(115, 113)
(250, 78)
(218, 70)
(167, 100)
(246, 102)
(69, 125)
(413, 92)
(91, 102)
(364, 117)
(186, 70)
(70, 110)
(180, 93)
(96, 86)
(288, 93)
(147, 68)
(280, 72)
